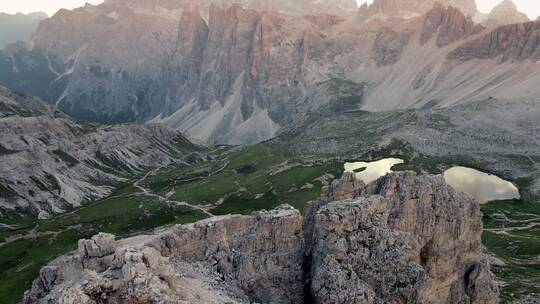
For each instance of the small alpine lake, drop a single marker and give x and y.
(482, 186)
(370, 171)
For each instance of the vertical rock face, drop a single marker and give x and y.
(510, 42)
(239, 73)
(233, 259)
(401, 239)
(410, 8)
(261, 255)
(389, 45)
(299, 7)
(304, 7)
(416, 241)
(450, 25)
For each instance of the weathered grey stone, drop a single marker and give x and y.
(99, 246)
(515, 42)
(410, 8)
(58, 163)
(401, 239)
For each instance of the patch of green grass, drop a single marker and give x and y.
(5, 233)
(299, 199)
(300, 176)
(246, 204)
(522, 280)
(165, 180)
(124, 213)
(17, 218)
(345, 95)
(516, 243)
(229, 180)
(435, 165)
(20, 261)
(125, 190)
(237, 186)
(247, 169)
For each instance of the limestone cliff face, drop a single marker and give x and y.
(238, 73)
(510, 42)
(233, 259)
(450, 25)
(401, 239)
(410, 8)
(299, 7)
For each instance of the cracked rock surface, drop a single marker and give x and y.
(401, 239)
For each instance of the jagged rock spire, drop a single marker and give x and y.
(411, 8)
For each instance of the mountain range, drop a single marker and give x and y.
(235, 75)
(18, 27)
(52, 163)
(155, 120)
(238, 74)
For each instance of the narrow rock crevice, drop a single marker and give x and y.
(398, 244)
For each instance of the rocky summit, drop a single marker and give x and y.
(404, 238)
(505, 13)
(410, 8)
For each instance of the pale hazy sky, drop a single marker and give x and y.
(530, 7)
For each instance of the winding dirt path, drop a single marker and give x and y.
(165, 199)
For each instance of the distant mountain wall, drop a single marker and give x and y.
(237, 75)
(18, 27)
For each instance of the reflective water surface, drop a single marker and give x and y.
(484, 187)
(373, 170)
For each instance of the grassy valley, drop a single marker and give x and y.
(241, 180)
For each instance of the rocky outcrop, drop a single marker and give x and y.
(50, 163)
(407, 244)
(299, 7)
(505, 12)
(510, 43)
(450, 25)
(410, 8)
(401, 239)
(232, 259)
(389, 46)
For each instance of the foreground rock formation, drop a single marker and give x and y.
(401, 239)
